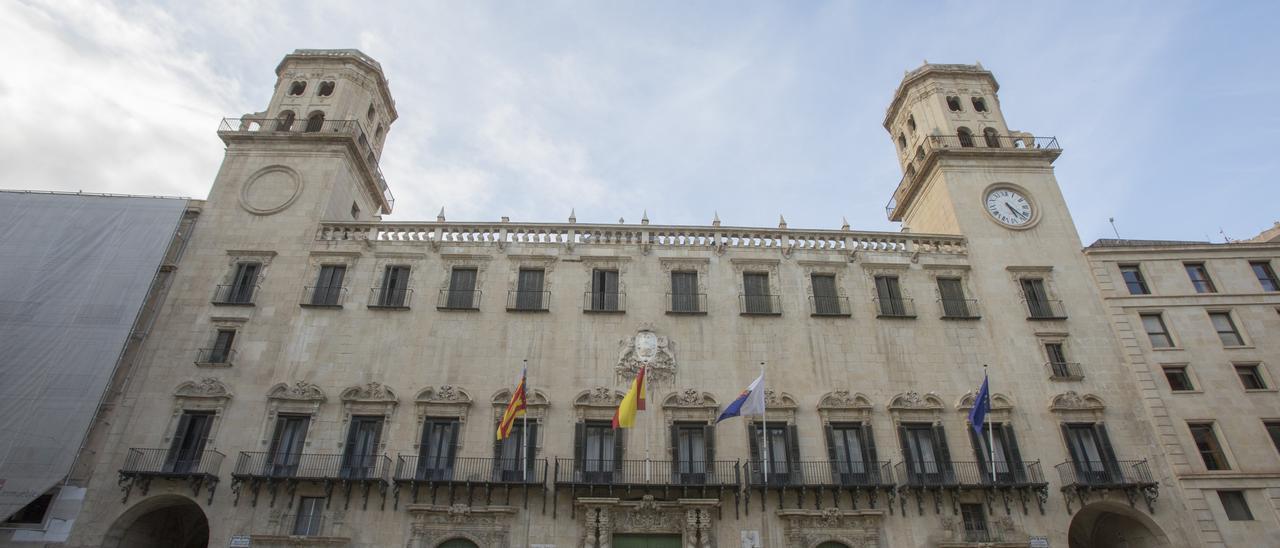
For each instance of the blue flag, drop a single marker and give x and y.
(749, 403)
(981, 406)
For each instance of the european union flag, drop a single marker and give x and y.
(981, 406)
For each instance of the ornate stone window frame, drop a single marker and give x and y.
(383, 259)
(598, 403)
(1071, 406)
(616, 263)
(318, 259)
(949, 271)
(546, 263)
(686, 264)
(1001, 406)
(301, 398)
(844, 406)
(831, 268)
(536, 410)
(369, 399)
(450, 261)
(689, 405)
(810, 528)
(206, 394)
(767, 266)
(433, 525)
(603, 517)
(912, 406)
(444, 401)
(1019, 273)
(899, 270)
(237, 256)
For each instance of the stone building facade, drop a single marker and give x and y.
(320, 377)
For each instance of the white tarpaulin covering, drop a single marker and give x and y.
(74, 271)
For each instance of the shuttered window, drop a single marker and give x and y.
(462, 288)
(756, 297)
(287, 442)
(826, 299)
(889, 296)
(954, 304)
(189, 439)
(604, 290)
(243, 283)
(684, 292)
(328, 287)
(395, 286)
(529, 294)
(437, 449)
(360, 454)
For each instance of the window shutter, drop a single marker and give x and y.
(793, 452)
(618, 446)
(869, 453)
(531, 446)
(1104, 441)
(1015, 456)
(980, 451)
(709, 441)
(675, 453)
(831, 446)
(944, 452)
(300, 437)
(753, 442)
(1076, 457)
(907, 455)
(579, 446)
(453, 443)
(497, 443)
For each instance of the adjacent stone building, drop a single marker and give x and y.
(320, 377)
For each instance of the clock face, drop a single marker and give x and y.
(1009, 207)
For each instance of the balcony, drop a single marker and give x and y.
(323, 296)
(687, 303)
(390, 299)
(528, 301)
(235, 295)
(895, 307)
(469, 474)
(802, 477)
(829, 306)
(625, 475)
(458, 299)
(141, 466)
(349, 131)
(271, 469)
(959, 309)
(1064, 371)
(1133, 477)
(604, 302)
(1045, 309)
(215, 357)
(1025, 478)
(760, 305)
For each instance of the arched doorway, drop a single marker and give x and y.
(832, 544)
(458, 543)
(1111, 525)
(165, 521)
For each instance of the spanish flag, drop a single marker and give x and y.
(514, 409)
(625, 416)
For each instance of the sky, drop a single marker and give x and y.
(1166, 111)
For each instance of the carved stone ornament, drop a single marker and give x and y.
(488, 526)
(810, 528)
(444, 394)
(998, 402)
(1071, 401)
(369, 392)
(782, 400)
(915, 400)
(207, 387)
(844, 399)
(690, 397)
(649, 350)
(300, 391)
(599, 396)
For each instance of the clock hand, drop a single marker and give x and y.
(1012, 210)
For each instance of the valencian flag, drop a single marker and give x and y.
(749, 403)
(625, 416)
(514, 409)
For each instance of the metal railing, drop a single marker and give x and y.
(593, 301)
(235, 294)
(959, 309)
(529, 301)
(473, 470)
(284, 126)
(324, 296)
(1045, 309)
(216, 356)
(983, 535)
(313, 466)
(163, 462)
(996, 144)
(829, 306)
(1108, 473)
(397, 299)
(686, 303)
(310, 525)
(1064, 370)
(823, 473)
(969, 474)
(458, 299)
(760, 305)
(647, 472)
(895, 307)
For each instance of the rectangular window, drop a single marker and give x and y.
(462, 288)
(784, 454)
(1273, 430)
(1057, 359)
(360, 454)
(328, 289)
(516, 454)
(1235, 505)
(684, 293)
(1179, 380)
(756, 297)
(1207, 445)
(600, 451)
(1200, 278)
(221, 351)
(187, 448)
(975, 523)
(1133, 279)
(604, 291)
(954, 304)
(693, 447)
(243, 283)
(1092, 457)
(529, 294)
(1037, 298)
(928, 459)
(394, 292)
(1156, 331)
(826, 299)
(1266, 275)
(287, 443)
(1226, 328)
(437, 449)
(853, 453)
(998, 443)
(889, 297)
(1251, 377)
(310, 517)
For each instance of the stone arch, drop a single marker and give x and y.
(161, 521)
(1108, 524)
(916, 400)
(1071, 401)
(315, 121)
(831, 544)
(459, 540)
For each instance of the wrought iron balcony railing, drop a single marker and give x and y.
(760, 305)
(198, 468)
(686, 303)
(895, 307)
(458, 299)
(215, 356)
(471, 470)
(1045, 309)
(1064, 371)
(323, 296)
(234, 294)
(604, 302)
(646, 473)
(392, 299)
(1116, 473)
(313, 466)
(959, 309)
(969, 474)
(829, 306)
(528, 301)
(984, 535)
(821, 473)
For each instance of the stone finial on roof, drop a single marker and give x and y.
(573, 215)
(506, 219)
(782, 223)
(622, 221)
(644, 219)
(715, 221)
(845, 223)
(440, 216)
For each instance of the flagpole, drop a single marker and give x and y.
(524, 455)
(764, 445)
(991, 445)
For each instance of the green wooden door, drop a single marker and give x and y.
(458, 543)
(646, 541)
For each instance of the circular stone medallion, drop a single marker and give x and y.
(270, 190)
